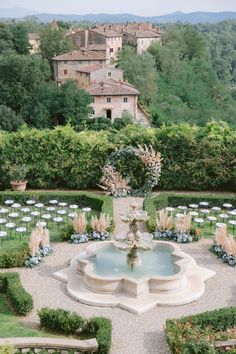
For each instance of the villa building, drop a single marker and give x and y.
(112, 98)
(66, 65)
(34, 41)
(99, 39)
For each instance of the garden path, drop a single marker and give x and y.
(121, 205)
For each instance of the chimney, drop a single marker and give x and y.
(158, 30)
(104, 29)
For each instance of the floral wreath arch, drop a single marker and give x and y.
(113, 183)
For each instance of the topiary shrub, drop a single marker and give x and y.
(20, 300)
(101, 328)
(66, 322)
(12, 258)
(61, 321)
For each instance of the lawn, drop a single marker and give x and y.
(56, 209)
(10, 325)
(154, 204)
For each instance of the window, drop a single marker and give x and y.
(65, 61)
(125, 99)
(109, 74)
(93, 112)
(65, 72)
(111, 50)
(93, 99)
(108, 99)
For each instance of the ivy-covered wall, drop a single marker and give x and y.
(194, 158)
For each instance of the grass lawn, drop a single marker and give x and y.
(10, 325)
(13, 238)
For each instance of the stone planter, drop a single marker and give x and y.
(18, 186)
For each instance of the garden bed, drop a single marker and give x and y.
(199, 333)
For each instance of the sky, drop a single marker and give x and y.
(137, 7)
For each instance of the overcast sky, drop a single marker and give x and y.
(139, 7)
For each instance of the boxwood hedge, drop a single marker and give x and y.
(65, 322)
(20, 300)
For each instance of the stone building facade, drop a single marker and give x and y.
(66, 65)
(99, 39)
(88, 76)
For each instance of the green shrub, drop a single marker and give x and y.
(194, 158)
(66, 322)
(61, 321)
(12, 258)
(101, 328)
(20, 300)
(194, 334)
(66, 232)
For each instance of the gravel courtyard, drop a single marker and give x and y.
(132, 333)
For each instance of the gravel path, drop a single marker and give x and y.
(131, 333)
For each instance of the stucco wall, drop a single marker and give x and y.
(117, 106)
(70, 66)
(102, 74)
(144, 43)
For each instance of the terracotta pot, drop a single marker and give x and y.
(18, 185)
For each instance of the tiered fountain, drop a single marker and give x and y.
(134, 272)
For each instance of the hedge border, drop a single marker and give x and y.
(20, 300)
(151, 204)
(66, 322)
(218, 320)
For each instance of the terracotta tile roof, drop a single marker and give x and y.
(89, 69)
(112, 88)
(106, 32)
(144, 34)
(81, 55)
(95, 47)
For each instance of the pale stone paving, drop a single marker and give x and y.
(138, 334)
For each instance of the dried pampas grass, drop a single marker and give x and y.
(100, 224)
(221, 235)
(183, 224)
(80, 223)
(164, 221)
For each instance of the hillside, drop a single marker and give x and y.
(193, 17)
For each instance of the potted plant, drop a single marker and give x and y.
(17, 174)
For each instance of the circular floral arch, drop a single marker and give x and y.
(115, 184)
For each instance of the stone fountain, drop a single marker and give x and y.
(133, 271)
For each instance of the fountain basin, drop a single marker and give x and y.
(181, 283)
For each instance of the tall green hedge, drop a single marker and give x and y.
(20, 300)
(194, 158)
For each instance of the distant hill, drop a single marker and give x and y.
(193, 17)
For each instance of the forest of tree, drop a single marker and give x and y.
(191, 78)
(180, 81)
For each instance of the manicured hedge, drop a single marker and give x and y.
(152, 204)
(194, 158)
(11, 258)
(20, 300)
(195, 334)
(65, 322)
